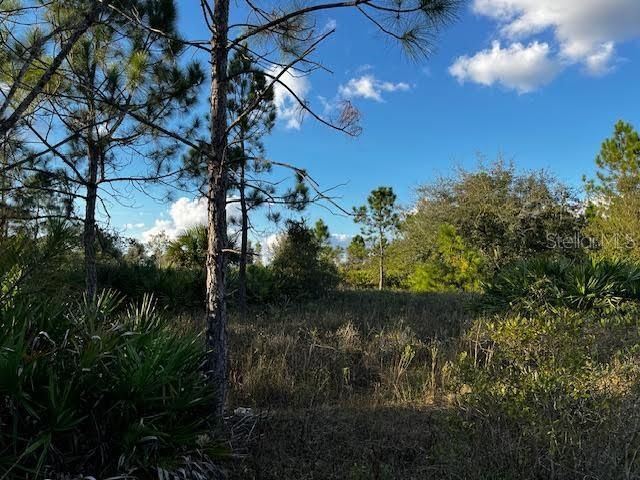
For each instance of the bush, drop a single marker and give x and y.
(94, 387)
(261, 284)
(87, 390)
(175, 288)
(453, 266)
(551, 396)
(298, 267)
(555, 282)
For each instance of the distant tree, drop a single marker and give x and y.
(157, 246)
(618, 164)
(379, 219)
(298, 265)
(321, 232)
(357, 252)
(452, 266)
(503, 214)
(329, 252)
(136, 253)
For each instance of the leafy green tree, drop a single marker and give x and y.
(357, 252)
(323, 236)
(136, 253)
(321, 232)
(379, 219)
(618, 164)
(503, 214)
(452, 266)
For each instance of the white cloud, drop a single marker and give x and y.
(340, 239)
(364, 68)
(599, 63)
(184, 213)
(586, 31)
(133, 226)
(268, 245)
(518, 67)
(289, 109)
(369, 87)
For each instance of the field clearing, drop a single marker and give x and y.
(395, 385)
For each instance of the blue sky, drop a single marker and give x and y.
(541, 82)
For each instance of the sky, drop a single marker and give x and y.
(541, 82)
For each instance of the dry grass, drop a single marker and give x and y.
(355, 348)
(369, 385)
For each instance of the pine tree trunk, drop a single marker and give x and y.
(217, 222)
(381, 265)
(89, 236)
(242, 271)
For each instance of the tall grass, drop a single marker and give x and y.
(393, 385)
(353, 347)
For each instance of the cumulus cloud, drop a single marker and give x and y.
(369, 87)
(583, 32)
(289, 110)
(599, 62)
(184, 213)
(518, 67)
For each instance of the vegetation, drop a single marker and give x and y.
(502, 341)
(95, 387)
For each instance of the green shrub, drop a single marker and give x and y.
(94, 387)
(87, 390)
(452, 266)
(299, 269)
(175, 288)
(556, 282)
(561, 387)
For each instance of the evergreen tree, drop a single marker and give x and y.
(618, 164)
(614, 211)
(120, 83)
(379, 219)
(357, 252)
(250, 102)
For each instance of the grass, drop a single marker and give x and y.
(352, 348)
(369, 385)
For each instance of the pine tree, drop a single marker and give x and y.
(119, 84)
(293, 32)
(379, 218)
(250, 102)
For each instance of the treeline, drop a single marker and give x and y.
(461, 231)
(466, 227)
